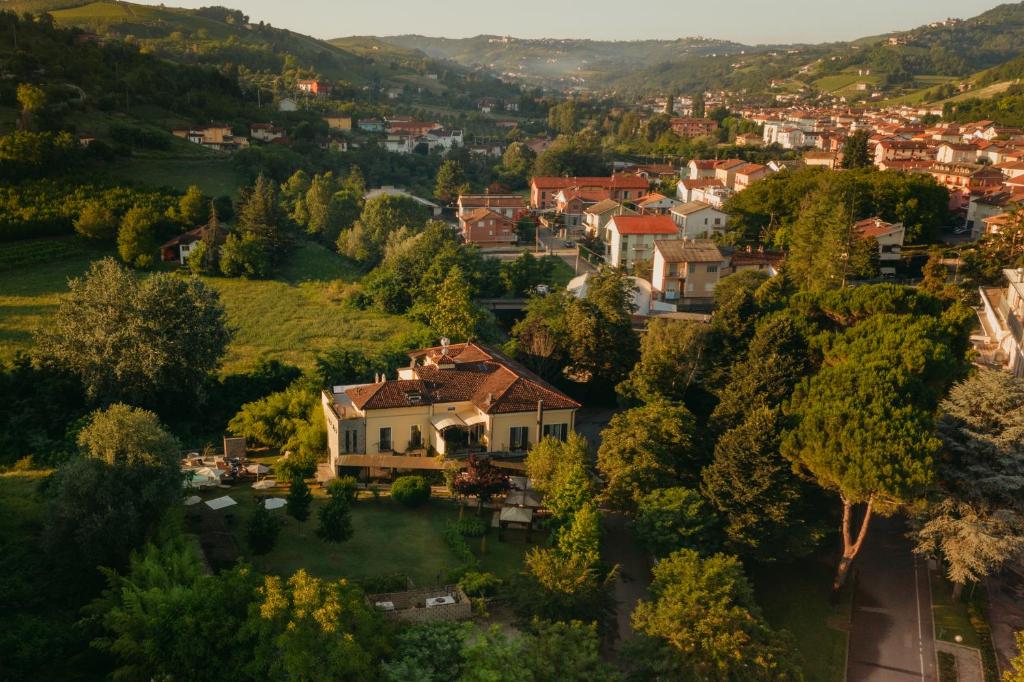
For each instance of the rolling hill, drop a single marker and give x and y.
(899, 63)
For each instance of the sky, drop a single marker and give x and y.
(745, 21)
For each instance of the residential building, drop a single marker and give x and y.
(693, 127)
(828, 160)
(746, 175)
(266, 132)
(889, 150)
(571, 204)
(698, 220)
(319, 88)
(889, 237)
(985, 206)
(485, 227)
(450, 400)
(511, 206)
(1000, 342)
(725, 171)
(956, 152)
(621, 187)
(596, 217)
(686, 271)
(630, 239)
(180, 247)
(963, 180)
(657, 204)
(685, 188)
(700, 169)
(338, 122)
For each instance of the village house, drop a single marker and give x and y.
(571, 204)
(902, 150)
(215, 136)
(338, 122)
(656, 204)
(316, 87)
(596, 217)
(745, 176)
(828, 160)
(1000, 343)
(685, 271)
(266, 132)
(630, 239)
(956, 152)
(725, 171)
(180, 247)
(486, 228)
(512, 206)
(985, 206)
(889, 237)
(620, 186)
(693, 127)
(749, 140)
(701, 169)
(963, 180)
(698, 220)
(450, 400)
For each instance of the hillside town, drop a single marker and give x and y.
(504, 359)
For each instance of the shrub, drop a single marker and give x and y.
(389, 582)
(453, 538)
(411, 491)
(472, 527)
(299, 499)
(477, 584)
(262, 530)
(335, 520)
(346, 486)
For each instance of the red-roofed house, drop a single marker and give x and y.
(450, 400)
(485, 227)
(889, 237)
(630, 238)
(622, 187)
(693, 127)
(699, 220)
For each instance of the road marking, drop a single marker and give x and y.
(920, 629)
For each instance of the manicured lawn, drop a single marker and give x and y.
(292, 318)
(951, 618)
(389, 539)
(796, 597)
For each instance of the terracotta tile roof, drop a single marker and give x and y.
(465, 372)
(692, 207)
(482, 214)
(702, 183)
(615, 181)
(492, 201)
(644, 224)
(875, 227)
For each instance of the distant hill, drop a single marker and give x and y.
(898, 63)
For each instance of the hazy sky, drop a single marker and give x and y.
(747, 21)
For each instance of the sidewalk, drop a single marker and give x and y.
(968, 661)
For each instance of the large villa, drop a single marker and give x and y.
(451, 400)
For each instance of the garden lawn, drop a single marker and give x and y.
(796, 597)
(292, 318)
(388, 539)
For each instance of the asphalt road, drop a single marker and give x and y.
(891, 633)
(556, 246)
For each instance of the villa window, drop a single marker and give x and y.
(415, 436)
(557, 431)
(384, 444)
(518, 437)
(351, 440)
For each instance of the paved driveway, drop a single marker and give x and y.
(891, 633)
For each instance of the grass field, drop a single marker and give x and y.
(291, 318)
(388, 539)
(215, 176)
(796, 597)
(844, 81)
